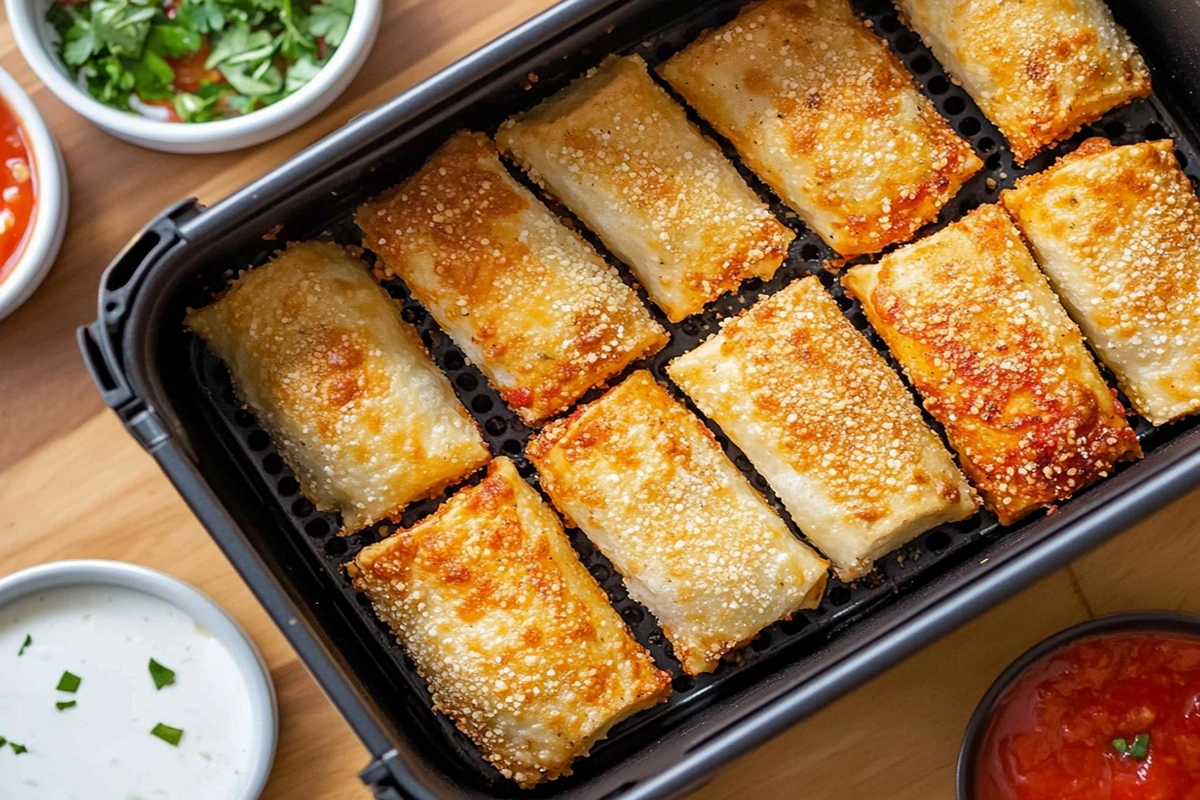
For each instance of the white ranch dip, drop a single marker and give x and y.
(102, 748)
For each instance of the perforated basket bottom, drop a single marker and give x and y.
(844, 604)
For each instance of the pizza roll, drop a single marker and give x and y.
(518, 642)
(621, 154)
(1117, 230)
(344, 386)
(828, 424)
(998, 361)
(1039, 70)
(823, 111)
(525, 298)
(697, 545)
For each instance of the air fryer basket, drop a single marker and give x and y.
(176, 398)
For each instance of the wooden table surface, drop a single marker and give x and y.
(74, 485)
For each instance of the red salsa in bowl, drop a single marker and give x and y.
(1112, 716)
(17, 190)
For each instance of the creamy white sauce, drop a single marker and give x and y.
(102, 748)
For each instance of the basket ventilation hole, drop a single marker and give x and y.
(683, 683)
(317, 528)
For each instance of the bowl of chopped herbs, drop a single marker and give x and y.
(195, 75)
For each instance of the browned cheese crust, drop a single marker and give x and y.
(1117, 230)
(517, 640)
(527, 300)
(823, 111)
(697, 545)
(1039, 69)
(829, 425)
(998, 362)
(344, 386)
(617, 150)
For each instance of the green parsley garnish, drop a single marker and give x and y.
(168, 734)
(69, 683)
(207, 59)
(18, 748)
(1139, 748)
(163, 676)
(24, 646)
(3, 741)
(63, 706)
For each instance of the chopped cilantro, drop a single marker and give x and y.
(24, 646)
(1139, 748)
(18, 748)
(162, 676)
(64, 705)
(206, 59)
(168, 734)
(69, 683)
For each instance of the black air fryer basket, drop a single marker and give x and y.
(175, 398)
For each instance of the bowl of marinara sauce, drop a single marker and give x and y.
(1105, 710)
(33, 197)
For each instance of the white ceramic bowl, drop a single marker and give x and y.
(263, 710)
(50, 211)
(35, 37)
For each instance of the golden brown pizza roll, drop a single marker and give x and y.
(998, 361)
(1117, 230)
(621, 154)
(343, 385)
(697, 545)
(828, 424)
(1040, 69)
(525, 298)
(823, 111)
(517, 640)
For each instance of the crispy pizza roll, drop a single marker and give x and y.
(828, 424)
(1000, 364)
(1117, 230)
(823, 111)
(517, 640)
(524, 297)
(1039, 70)
(696, 544)
(344, 386)
(621, 154)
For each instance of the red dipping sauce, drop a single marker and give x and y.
(1052, 733)
(17, 189)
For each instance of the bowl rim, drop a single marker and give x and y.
(46, 65)
(1180, 622)
(264, 711)
(44, 238)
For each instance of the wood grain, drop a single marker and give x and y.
(74, 485)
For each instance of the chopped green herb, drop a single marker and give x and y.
(18, 748)
(1139, 748)
(168, 734)
(24, 646)
(3, 741)
(69, 683)
(163, 676)
(64, 705)
(203, 59)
